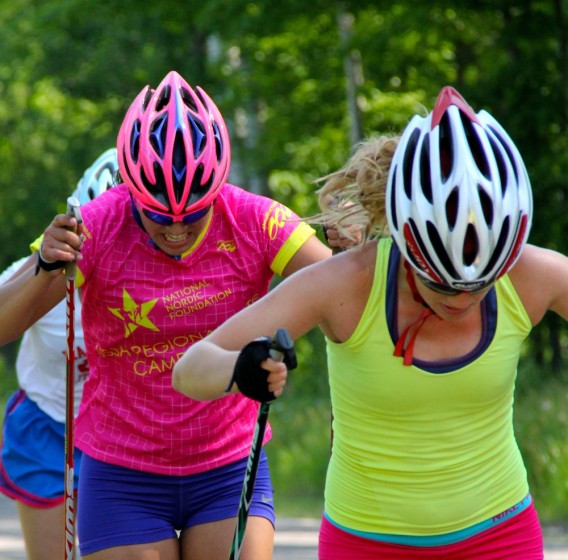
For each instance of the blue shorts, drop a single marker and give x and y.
(32, 458)
(120, 506)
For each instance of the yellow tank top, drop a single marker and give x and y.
(417, 452)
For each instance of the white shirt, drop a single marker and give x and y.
(41, 364)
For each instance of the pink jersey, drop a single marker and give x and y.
(141, 311)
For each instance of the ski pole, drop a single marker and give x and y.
(282, 350)
(73, 209)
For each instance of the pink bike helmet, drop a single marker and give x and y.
(173, 148)
(459, 202)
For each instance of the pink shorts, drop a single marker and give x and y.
(518, 537)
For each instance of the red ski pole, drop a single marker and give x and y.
(73, 209)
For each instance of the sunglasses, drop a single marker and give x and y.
(449, 290)
(165, 220)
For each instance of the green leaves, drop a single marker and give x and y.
(279, 73)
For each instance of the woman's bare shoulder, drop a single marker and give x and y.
(540, 277)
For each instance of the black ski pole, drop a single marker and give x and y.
(282, 350)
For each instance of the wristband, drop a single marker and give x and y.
(47, 265)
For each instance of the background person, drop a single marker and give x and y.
(32, 457)
(424, 331)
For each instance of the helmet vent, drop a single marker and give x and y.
(201, 98)
(498, 251)
(126, 169)
(470, 246)
(197, 135)
(452, 203)
(428, 266)
(218, 142)
(425, 175)
(179, 166)
(508, 150)
(408, 161)
(475, 146)
(147, 97)
(392, 200)
(486, 206)
(158, 133)
(439, 249)
(517, 245)
(446, 150)
(414, 260)
(198, 190)
(188, 99)
(135, 141)
(164, 98)
(501, 166)
(157, 188)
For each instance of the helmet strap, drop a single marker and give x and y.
(138, 220)
(136, 213)
(412, 285)
(402, 349)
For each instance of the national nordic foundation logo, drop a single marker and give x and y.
(134, 314)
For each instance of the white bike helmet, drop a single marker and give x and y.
(98, 178)
(459, 202)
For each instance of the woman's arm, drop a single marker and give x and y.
(297, 304)
(540, 277)
(28, 296)
(312, 251)
(330, 294)
(204, 372)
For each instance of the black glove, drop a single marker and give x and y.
(251, 379)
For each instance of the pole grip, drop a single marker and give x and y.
(73, 209)
(283, 349)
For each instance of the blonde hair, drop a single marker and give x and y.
(354, 196)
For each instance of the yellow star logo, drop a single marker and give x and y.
(134, 314)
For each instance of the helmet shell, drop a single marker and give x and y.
(173, 148)
(459, 201)
(98, 178)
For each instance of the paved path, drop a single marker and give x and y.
(296, 539)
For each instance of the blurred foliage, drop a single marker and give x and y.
(541, 425)
(282, 73)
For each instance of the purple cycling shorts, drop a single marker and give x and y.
(120, 506)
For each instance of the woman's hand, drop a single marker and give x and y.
(277, 376)
(62, 240)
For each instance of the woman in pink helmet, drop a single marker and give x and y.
(424, 332)
(32, 465)
(163, 259)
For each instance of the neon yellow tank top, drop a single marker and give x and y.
(421, 453)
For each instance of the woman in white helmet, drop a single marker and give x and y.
(424, 330)
(32, 455)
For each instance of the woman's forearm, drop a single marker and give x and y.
(25, 298)
(210, 372)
